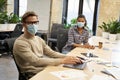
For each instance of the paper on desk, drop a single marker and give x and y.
(114, 71)
(101, 61)
(98, 77)
(69, 74)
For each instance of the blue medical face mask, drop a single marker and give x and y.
(32, 29)
(80, 24)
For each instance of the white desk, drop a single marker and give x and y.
(92, 67)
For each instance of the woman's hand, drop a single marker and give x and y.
(84, 46)
(88, 46)
(71, 60)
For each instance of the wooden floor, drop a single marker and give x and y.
(8, 70)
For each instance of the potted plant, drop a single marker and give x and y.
(12, 20)
(3, 18)
(105, 28)
(7, 21)
(3, 4)
(72, 23)
(114, 28)
(118, 33)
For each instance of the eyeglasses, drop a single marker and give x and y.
(32, 22)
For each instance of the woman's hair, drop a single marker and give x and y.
(82, 16)
(28, 14)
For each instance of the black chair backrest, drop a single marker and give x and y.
(17, 31)
(9, 45)
(62, 38)
(54, 30)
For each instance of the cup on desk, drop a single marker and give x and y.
(100, 45)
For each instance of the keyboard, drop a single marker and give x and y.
(76, 66)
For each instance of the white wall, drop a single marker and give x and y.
(42, 8)
(56, 12)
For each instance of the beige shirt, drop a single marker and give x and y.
(30, 54)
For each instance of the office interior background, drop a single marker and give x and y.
(61, 12)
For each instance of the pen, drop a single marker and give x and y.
(105, 72)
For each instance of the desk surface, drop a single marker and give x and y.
(1, 31)
(109, 52)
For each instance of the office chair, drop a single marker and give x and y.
(62, 38)
(4, 36)
(17, 31)
(2, 48)
(9, 46)
(52, 39)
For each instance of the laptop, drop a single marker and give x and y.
(89, 55)
(76, 66)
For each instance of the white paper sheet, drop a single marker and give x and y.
(101, 61)
(98, 77)
(115, 72)
(69, 74)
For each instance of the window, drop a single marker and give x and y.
(73, 6)
(22, 7)
(88, 11)
(87, 7)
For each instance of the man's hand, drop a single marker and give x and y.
(71, 60)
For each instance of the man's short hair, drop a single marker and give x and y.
(28, 14)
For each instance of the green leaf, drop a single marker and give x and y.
(12, 18)
(3, 4)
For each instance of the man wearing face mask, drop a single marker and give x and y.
(78, 36)
(31, 52)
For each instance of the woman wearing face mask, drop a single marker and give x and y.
(78, 36)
